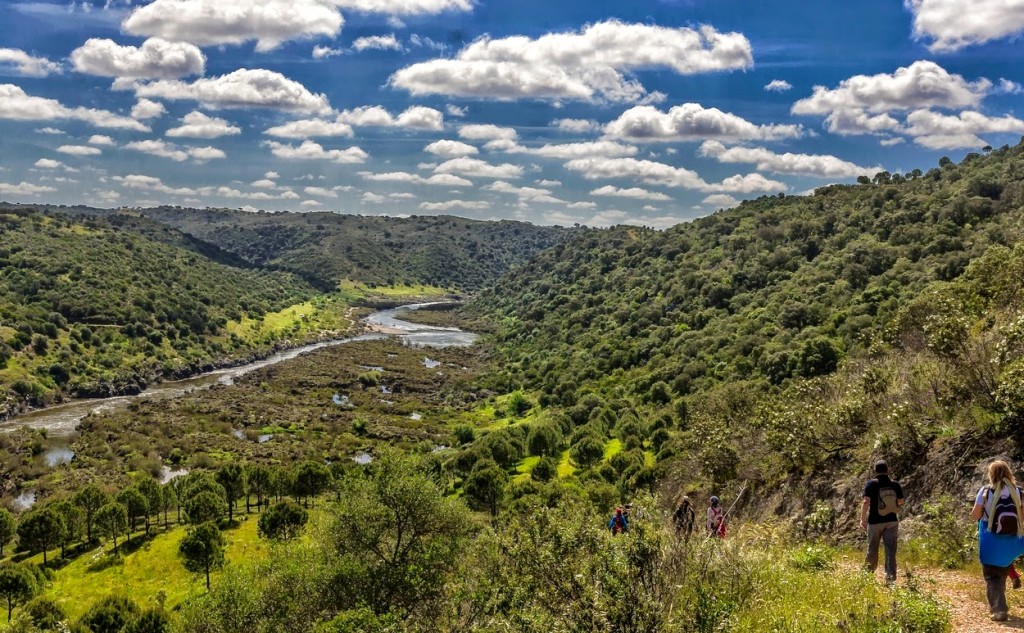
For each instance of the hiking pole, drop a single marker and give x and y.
(743, 489)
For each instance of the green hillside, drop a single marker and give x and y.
(88, 308)
(324, 248)
(96, 302)
(719, 341)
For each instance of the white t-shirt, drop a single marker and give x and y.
(984, 498)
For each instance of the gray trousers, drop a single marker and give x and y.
(995, 587)
(887, 534)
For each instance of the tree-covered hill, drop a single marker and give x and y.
(89, 307)
(96, 301)
(778, 287)
(324, 248)
(791, 340)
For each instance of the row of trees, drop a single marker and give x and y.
(93, 513)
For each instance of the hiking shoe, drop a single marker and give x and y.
(1000, 617)
(1015, 582)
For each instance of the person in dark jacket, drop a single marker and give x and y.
(879, 516)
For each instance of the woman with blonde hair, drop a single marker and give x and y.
(1000, 515)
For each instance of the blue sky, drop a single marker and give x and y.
(647, 112)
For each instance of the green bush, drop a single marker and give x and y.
(813, 557)
(464, 433)
(949, 539)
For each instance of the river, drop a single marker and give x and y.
(60, 420)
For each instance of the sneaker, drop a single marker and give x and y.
(1015, 582)
(1000, 617)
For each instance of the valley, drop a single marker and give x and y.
(766, 354)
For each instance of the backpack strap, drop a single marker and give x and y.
(1015, 496)
(992, 506)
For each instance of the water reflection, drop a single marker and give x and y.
(61, 420)
(58, 455)
(25, 500)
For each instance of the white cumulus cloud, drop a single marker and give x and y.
(79, 150)
(26, 64)
(655, 173)
(476, 168)
(146, 109)
(243, 88)
(451, 205)
(322, 192)
(417, 117)
(570, 150)
(217, 22)
(720, 200)
(487, 132)
(587, 65)
(778, 85)
(439, 180)
(577, 126)
(199, 125)
(820, 166)
(310, 150)
(310, 128)
(954, 24)
(49, 163)
(692, 121)
(377, 42)
(164, 149)
(100, 139)
(450, 149)
(525, 194)
(860, 104)
(155, 59)
(323, 52)
(16, 104)
(939, 131)
(24, 189)
(635, 193)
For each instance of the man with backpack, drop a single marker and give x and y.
(684, 517)
(879, 515)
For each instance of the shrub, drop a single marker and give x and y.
(948, 538)
(813, 557)
(517, 404)
(464, 433)
(545, 469)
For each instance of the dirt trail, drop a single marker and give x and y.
(964, 591)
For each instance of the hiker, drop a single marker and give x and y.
(998, 510)
(619, 523)
(716, 518)
(879, 516)
(683, 517)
